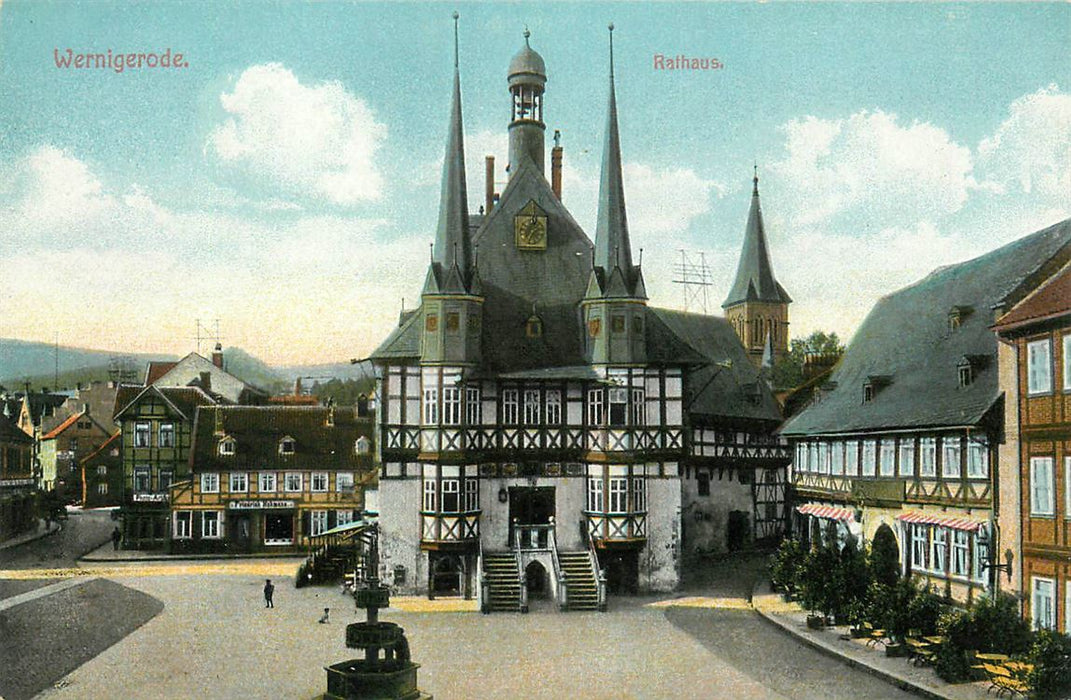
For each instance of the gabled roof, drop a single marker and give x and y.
(9, 432)
(258, 430)
(71, 420)
(723, 383)
(155, 370)
(1049, 302)
(188, 372)
(907, 337)
(184, 401)
(755, 279)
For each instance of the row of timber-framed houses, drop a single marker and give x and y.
(539, 421)
(909, 431)
(18, 487)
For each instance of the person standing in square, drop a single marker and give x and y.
(269, 590)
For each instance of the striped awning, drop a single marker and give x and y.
(830, 512)
(917, 518)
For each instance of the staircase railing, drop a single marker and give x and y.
(485, 586)
(600, 576)
(522, 579)
(561, 584)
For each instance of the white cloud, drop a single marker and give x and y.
(303, 142)
(56, 188)
(870, 167)
(1030, 152)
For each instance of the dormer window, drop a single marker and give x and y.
(363, 445)
(533, 327)
(968, 368)
(956, 316)
(226, 447)
(966, 374)
(286, 446)
(873, 385)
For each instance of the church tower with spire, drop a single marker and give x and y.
(614, 303)
(757, 305)
(452, 301)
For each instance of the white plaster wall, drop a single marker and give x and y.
(707, 532)
(1009, 516)
(659, 563)
(569, 501)
(399, 527)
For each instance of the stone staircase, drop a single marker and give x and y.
(583, 588)
(503, 582)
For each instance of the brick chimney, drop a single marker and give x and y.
(217, 356)
(206, 382)
(489, 184)
(556, 171)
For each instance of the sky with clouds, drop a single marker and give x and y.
(285, 179)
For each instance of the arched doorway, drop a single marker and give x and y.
(535, 576)
(885, 556)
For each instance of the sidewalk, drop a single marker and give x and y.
(107, 553)
(34, 534)
(834, 642)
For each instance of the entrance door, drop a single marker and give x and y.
(240, 532)
(531, 505)
(278, 528)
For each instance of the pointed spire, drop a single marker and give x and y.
(755, 279)
(453, 243)
(612, 247)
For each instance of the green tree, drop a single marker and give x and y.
(789, 371)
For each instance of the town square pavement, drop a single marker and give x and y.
(213, 638)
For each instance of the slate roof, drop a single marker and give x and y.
(1049, 302)
(258, 430)
(71, 420)
(755, 279)
(185, 399)
(10, 432)
(716, 391)
(907, 338)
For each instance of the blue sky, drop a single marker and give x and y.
(286, 181)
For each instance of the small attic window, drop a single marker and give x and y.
(533, 327)
(966, 374)
(956, 316)
(868, 392)
(286, 446)
(226, 447)
(363, 445)
(874, 384)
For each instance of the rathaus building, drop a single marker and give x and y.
(544, 430)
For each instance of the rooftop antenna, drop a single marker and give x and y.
(205, 332)
(693, 274)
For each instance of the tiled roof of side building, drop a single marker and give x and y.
(103, 449)
(155, 370)
(258, 430)
(1050, 301)
(184, 399)
(909, 340)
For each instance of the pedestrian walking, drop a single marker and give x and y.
(324, 618)
(117, 537)
(269, 590)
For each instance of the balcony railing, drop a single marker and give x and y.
(531, 537)
(619, 527)
(449, 527)
(460, 439)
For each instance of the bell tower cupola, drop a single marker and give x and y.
(527, 79)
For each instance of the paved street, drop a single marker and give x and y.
(210, 636)
(82, 532)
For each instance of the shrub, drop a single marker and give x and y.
(923, 611)
(992, 625)
(1051, 656)
(885, 557)
(785, 570)
(819, 585)
(953, 662)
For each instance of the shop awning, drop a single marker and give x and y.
(348, 529)
(829, 512)
(917, 518)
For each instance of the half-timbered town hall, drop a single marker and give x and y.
(543, 429)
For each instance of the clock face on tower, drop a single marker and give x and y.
(530, 228)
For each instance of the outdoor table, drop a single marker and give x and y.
(935, 640)
(996, 658)
(1018, 667)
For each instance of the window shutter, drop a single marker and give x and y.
(306, 524)
(332, 519)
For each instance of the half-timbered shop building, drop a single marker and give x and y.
(905, 433)
(266, 478)
(156, 424)
(542, 427)
(1038, 331)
